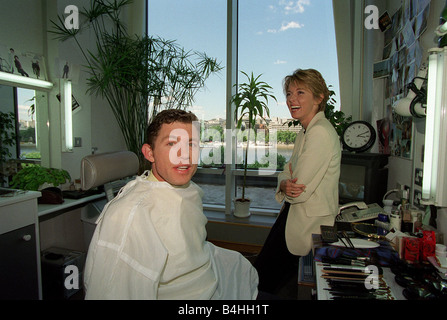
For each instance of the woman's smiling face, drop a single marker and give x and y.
(301, 102)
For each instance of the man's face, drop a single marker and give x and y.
(175, 152)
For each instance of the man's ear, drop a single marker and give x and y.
(148, 152)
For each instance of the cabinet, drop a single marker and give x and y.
(19, 246)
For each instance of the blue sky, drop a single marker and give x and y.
(275, 38)
(24, 101)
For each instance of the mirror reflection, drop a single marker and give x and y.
(20, 142)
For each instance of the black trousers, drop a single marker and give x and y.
(275, 264)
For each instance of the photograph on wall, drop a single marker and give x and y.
(420, 23)
(383, 133)
(6, 59)
(403, 50)
(65, 69)
(384, 21)
(401, 137)
(381, 69)
(408, 34)
(396, 22)
(26, 64)
(389, 50)
(74, 103)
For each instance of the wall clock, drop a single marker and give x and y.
(358, 136)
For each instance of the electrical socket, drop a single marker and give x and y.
(417, 198)
(403, 191)
(78, 142)
(418, 176)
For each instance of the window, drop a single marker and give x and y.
(274, 38)
(20, 104)
(26, 118)
(200, 25)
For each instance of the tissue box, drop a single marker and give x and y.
(428, 245)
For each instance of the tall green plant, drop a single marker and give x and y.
(251, 101)
(336, 117)
(138, 76)
(7, 139)
(7, 134)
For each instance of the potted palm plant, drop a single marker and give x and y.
(137, 76)
(251, 101)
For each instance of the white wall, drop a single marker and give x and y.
(24, 27)
(402, 170)
(95, 117)
(361, 95)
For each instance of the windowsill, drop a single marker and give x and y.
(239, 172)
(28, 161)
(254, 220)
(259, 217)
(240, 234)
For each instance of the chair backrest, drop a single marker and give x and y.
(105, 168)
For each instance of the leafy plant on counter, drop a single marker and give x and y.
(33, 176)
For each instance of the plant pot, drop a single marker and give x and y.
(63, 186)
(242, 208)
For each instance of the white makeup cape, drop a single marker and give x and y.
(149, 243)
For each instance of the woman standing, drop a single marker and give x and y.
(308, 185)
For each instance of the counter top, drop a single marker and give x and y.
(43, 209)
(68, 204)
(10, 196)
(18, 209)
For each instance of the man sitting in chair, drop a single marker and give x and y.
(149, 242)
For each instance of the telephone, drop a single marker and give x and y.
(358, 211)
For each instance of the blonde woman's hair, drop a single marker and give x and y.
(314, 82)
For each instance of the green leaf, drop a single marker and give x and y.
(251, 100)
(132, 73)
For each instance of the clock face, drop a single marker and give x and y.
(359, 136)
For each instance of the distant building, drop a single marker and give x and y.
(24, 124)
(214, 122)
(281, 124)
(274, 123)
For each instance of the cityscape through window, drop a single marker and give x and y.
(275, 37)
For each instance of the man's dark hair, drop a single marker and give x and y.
(166, 117)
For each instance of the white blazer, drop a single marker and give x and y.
(316, 163)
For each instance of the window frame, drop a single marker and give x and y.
(231, 81)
